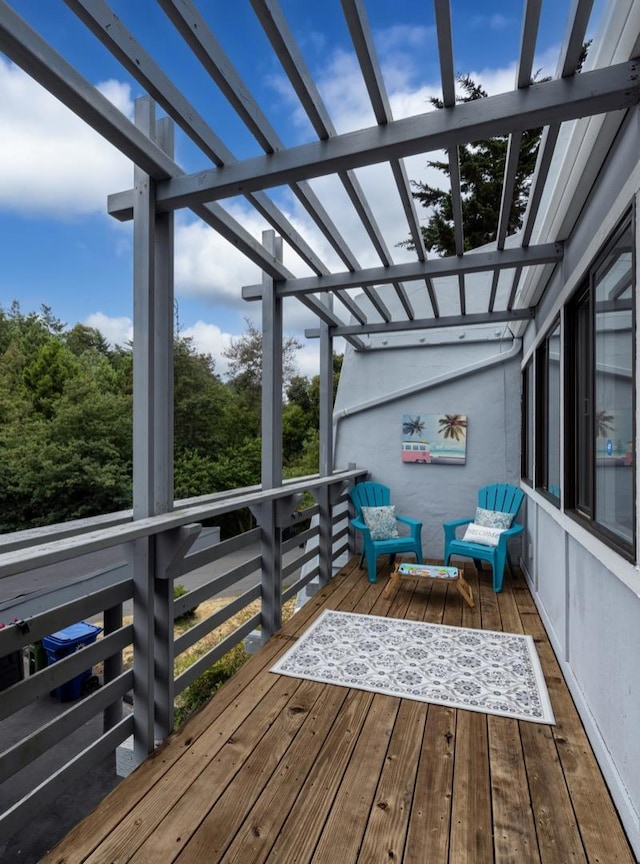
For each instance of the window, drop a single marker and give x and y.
(548, 415)
(600, 386)
(527, 414)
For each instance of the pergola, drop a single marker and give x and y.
(161, 187)
(355, 302)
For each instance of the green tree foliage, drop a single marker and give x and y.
(65, 438)
(482, 166)
(245, 358)
(66, 421)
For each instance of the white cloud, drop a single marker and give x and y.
(117, 331)
(210, 339)
(51, 162)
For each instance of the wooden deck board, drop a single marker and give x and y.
(278, 769)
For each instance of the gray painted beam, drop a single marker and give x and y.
(283, 42)
(590, 93)
(29, 51)
(120, 206)
(362, 39)
(195, 31)
(445, 52)
(471, 262)
(530, 25)
(577, 23)
(110, 30)
(428, 323)
(447, 75)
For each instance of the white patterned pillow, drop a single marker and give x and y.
(493, 518)
(381, 522)
(483, 534)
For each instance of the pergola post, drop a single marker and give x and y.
(163, 296)
(271, 444)
(326, 449)
(152, 446)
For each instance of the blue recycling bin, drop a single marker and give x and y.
(62, 644)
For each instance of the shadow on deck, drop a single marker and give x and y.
(278, 769)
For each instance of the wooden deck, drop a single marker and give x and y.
(277, 769)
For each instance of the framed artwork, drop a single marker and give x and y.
(434, 439)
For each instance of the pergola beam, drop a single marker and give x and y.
(472, 262)
(590, 93)
(468, 320)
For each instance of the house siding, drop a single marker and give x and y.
(586, 593)
(490, 398)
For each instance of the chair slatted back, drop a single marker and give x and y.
(502, 497)
(370, 494)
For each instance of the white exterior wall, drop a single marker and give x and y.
(372, 438)
(593, 621)
(587, 594)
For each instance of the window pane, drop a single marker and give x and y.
(583, 359)
(614, 426)
(553, 413)
(527, 422)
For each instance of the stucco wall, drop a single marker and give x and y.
(587, 594)
(490, 398)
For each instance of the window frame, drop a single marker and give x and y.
(527, 431)
(580, 385)
(541, 400)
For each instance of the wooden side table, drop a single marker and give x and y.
(430, 571)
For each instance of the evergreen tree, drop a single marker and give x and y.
(482, 166)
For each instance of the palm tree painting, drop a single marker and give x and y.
(434, 438)
(453, 426)
(412, 426)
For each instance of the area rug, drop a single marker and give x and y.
(480, 670)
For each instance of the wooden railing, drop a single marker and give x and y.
(157, 552)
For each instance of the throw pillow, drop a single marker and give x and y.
(493, 518)
(483, 534)
(381, 522)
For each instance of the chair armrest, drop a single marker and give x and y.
(359, 525)
(450, 528)
(407, 520)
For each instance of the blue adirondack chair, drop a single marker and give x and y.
(499, 496)
(376, 495)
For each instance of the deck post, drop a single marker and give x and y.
(325, 538)
(271, 468)
(152, 444)
(163, 296)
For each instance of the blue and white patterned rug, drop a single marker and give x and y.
(480, 670)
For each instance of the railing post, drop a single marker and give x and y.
(152, 442)
(163, 462)
(353, 548)
(271, 469)
(325, 517)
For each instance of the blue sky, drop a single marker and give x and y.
(60, 248)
